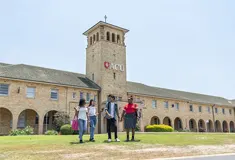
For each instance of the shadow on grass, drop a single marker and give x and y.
(86, 141)
(106, 141)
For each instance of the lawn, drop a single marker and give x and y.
(151, 145)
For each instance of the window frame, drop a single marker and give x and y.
(57, 92)
(34, 93)
(8, 86)
(154, 104)
(74, 95)
(200, 109)
(191, 106)
(166, 104)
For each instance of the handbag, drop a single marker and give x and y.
(75, 124)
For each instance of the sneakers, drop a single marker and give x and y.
(81, 141)
(92, 140)
(109, 140)
(117, 140)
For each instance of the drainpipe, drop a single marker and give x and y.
(213, 114)
(66, 100)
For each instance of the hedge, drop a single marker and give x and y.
(66, 129)
(158, 128)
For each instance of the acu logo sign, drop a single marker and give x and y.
(118, 67)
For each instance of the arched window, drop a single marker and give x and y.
(113, 37)
(94, 38)
(97, 36)
(108, 36)
(90, 40)
(118, 38)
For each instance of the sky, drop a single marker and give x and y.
(185, 45)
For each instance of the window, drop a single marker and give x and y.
(74, 95)
(200, 108)
(93, 77)
(97, 36)
(114, 75)
(216, 110)
(36, 119)
(21, 120)
(81, 95)
(93, 38)
(223, 110)
(118, 39)
(191, 108)
(90, 40)
(46, 119)
(166, 104)
(54, 94)
(177, 106)
(113, 37)
(95, 98)
(30, 92)
(4, 89)
(209, 109)
(108, 36)
(154, 104)
(87, 96)
(230, 111)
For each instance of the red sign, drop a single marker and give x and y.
(106, 64)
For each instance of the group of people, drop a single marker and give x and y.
(130, 115)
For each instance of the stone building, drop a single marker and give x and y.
(31, 95)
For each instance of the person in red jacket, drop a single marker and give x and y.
(130, 118)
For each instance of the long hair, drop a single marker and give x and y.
(82, 102)
(91, 102)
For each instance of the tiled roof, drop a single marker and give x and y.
(139, 88)
(46, 75)
(39, 74)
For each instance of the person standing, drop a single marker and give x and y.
(111, 110)
(130, 118)
(81, 113)
(93, 119)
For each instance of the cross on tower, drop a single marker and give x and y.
(105, 18)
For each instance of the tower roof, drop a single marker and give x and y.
(105, 24)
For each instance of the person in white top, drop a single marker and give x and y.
(92, 116)
(81, 113)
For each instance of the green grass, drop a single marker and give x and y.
(53, 147)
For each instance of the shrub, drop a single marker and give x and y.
(66, 129)
(51, 132)
(26, 131)
(61, 118)
(159, 128)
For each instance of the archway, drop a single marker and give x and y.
(48, 122)
(155, 120)
(225, 126)
(167, 121)
(231, 125)
(209, 125)
(30, 118)
(178, 124)
(218, 126)
(201, 126)
(192, 125)
(5, 121)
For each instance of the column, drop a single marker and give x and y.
(40, 124)
(14, 121)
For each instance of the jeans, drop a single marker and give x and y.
(92, 126)
(111, 123)
(82, 127)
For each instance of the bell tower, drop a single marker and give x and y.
(106, 60)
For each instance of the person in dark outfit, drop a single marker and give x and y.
(111, 110)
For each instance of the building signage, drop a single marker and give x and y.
(118, 67)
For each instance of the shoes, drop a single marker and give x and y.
(81, 141)
(117, 140)
(132, 139)
(92, 140)
(109, 140)
(127, 140)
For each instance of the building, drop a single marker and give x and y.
(31, 95)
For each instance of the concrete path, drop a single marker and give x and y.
(209, 157)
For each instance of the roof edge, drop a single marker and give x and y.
(104, 23)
